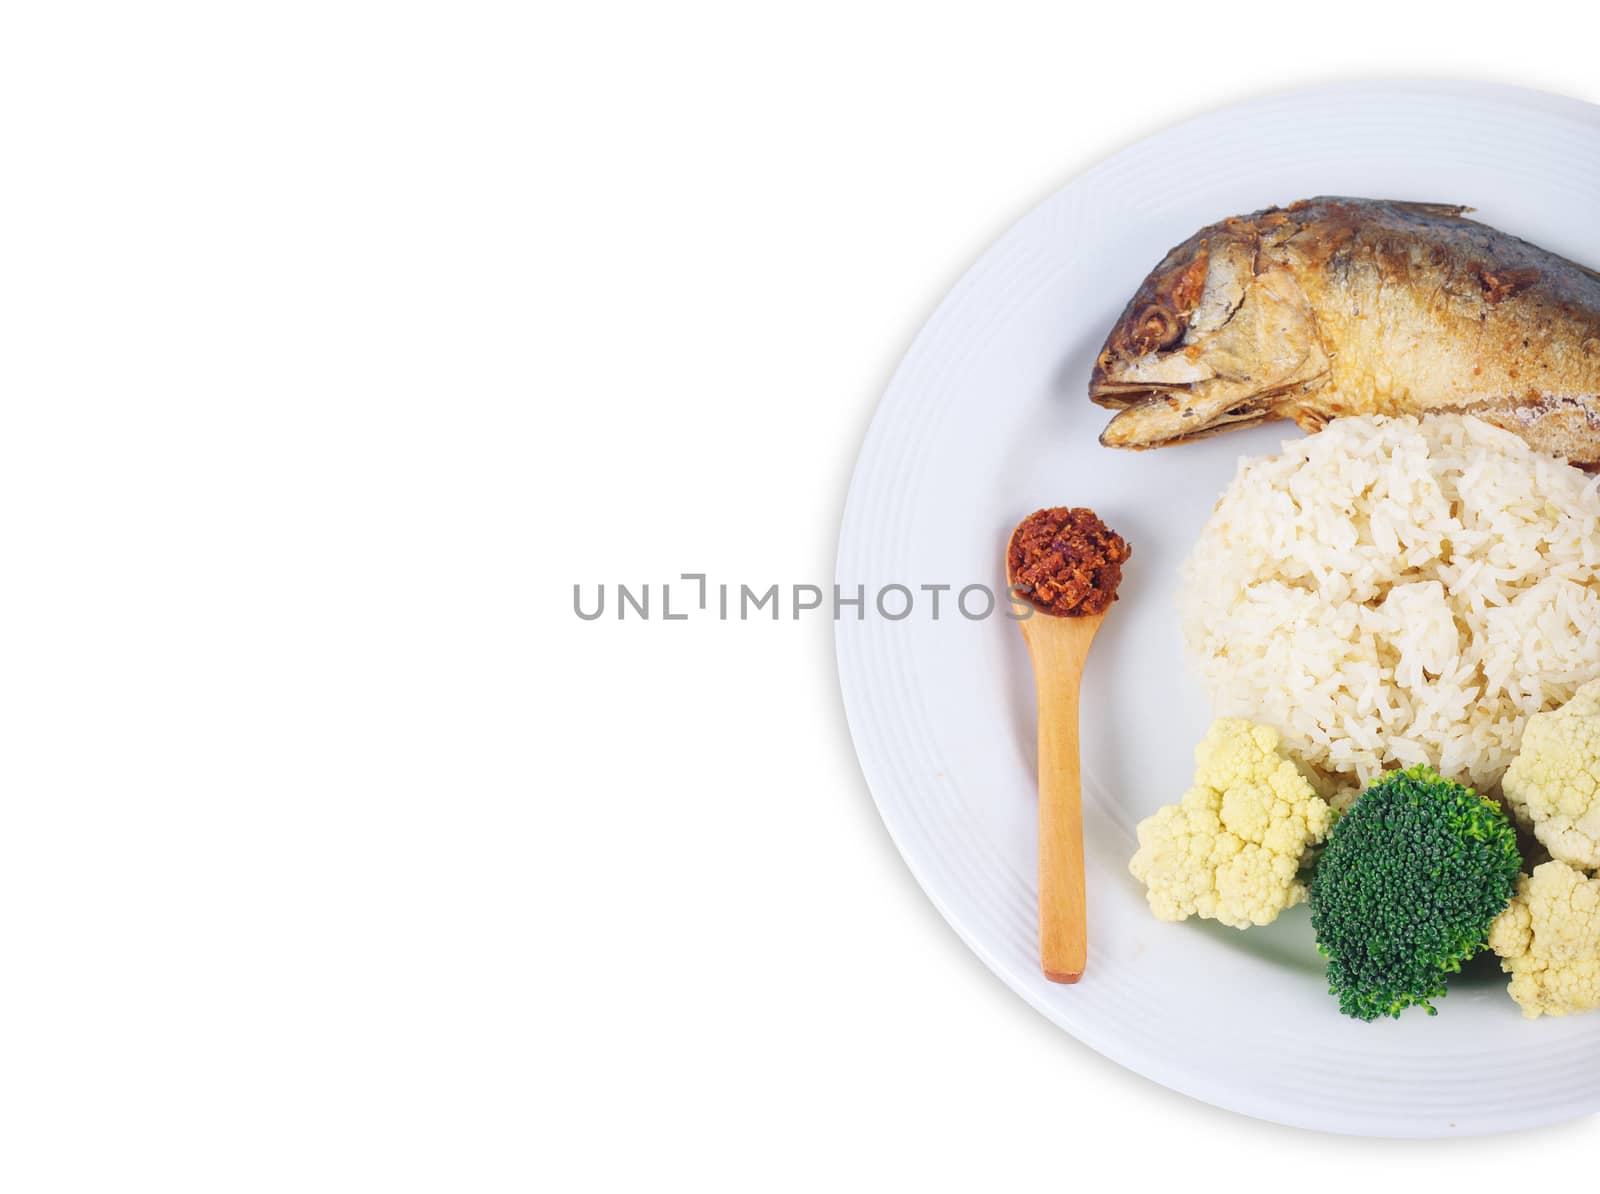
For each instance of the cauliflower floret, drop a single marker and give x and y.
(1552, 786)
(1548, 939)
(1231, 849)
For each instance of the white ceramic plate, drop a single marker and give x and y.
(987, 420)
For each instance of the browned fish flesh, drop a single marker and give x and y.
(1336, 306)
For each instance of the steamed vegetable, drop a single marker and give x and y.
(1232, 849)
(1553, 785)
(1548, 939)
(1411, 879)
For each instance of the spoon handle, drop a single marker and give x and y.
(1063, 931)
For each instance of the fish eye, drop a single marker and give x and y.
(1156, 328)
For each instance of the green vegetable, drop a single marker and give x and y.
(1406, 889)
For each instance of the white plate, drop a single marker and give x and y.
(986, 420)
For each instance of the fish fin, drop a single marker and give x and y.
(1443, 210)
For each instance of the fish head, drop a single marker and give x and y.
(1215, 337)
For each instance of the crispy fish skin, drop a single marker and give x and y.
(1339, 306)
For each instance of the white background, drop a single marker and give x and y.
(337, 343)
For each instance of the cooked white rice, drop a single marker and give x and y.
(1394, 591)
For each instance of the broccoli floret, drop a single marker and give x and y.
(1406, 889)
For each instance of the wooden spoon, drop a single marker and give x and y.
(1058, 643)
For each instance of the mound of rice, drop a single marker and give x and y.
(1394, 591)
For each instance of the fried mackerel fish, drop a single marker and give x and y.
(1338, 306)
